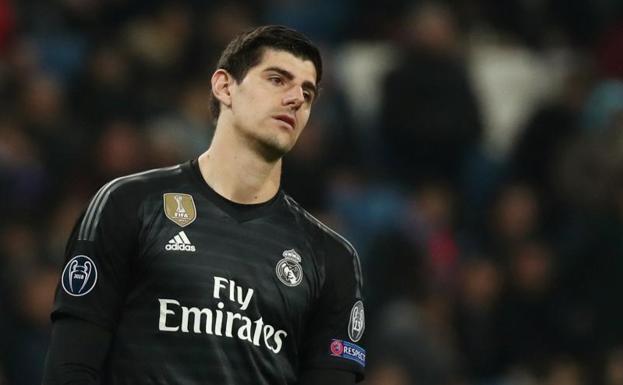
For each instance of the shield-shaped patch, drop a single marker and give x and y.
(180, 208)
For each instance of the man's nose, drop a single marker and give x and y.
(294, 97)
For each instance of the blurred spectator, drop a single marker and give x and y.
(184, 133)
(20, 254)
(26, 291)
(510, 81)
(397, 270)
(366, 209)
(29, 340)
(530, 311)
(476, 319)
(22, 172)
(119, 151)
(418, 253)
(60, 55)
(107, 80)
(360, 71)
(435, 213)
(591, 163)
(540, 143)
(411, 346)
(158, 40)
(429, 133)
(42, 109)
(514, 217)
(160, 44)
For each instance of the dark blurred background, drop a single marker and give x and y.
(472, 150)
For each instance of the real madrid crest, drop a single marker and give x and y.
(288, 269)
(180, 208)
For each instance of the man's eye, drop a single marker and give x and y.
(276, 80)
(308, 96)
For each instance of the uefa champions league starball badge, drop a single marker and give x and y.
(288, 269)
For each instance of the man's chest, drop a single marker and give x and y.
(219, 276)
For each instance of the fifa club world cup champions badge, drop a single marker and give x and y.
(180, 208)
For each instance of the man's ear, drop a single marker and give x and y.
(221, 86)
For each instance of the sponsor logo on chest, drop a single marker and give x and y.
(176, 317)
(180, 242)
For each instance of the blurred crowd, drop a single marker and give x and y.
(472, 150)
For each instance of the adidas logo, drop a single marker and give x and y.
(180, 242)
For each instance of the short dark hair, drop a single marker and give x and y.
(246, 50)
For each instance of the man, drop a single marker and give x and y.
(206, 272)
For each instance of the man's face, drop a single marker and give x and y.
(271, 104)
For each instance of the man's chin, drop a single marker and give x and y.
(273, 150)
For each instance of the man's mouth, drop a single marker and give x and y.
(289, 120)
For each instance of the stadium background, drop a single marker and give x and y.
(472, 150)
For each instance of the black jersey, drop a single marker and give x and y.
(201, 290)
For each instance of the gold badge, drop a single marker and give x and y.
(180, 208)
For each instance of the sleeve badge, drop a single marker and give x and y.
(357, 322)
(79, 276)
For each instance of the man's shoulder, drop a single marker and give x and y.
(143, 182)
(126, 195)
(339, 252)
(331, 238)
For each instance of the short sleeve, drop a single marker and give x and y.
(334, 336)
(98, 260)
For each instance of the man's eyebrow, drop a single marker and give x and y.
(288, 75)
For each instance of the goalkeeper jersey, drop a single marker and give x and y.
(200, 290)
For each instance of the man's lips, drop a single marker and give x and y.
(287, 119)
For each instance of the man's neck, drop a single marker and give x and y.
(238, 173)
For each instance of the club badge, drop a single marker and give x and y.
(180, 208)
(357, 322)
(79, 276)
(288, 269)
